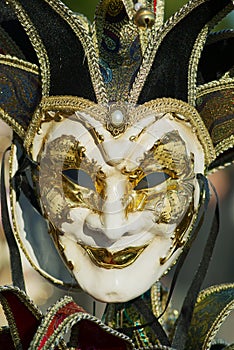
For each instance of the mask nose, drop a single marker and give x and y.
(113, 211)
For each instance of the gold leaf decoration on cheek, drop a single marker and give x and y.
(53, 199)
(81, 197)
(171, 205)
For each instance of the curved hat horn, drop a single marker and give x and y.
(215, 94)
(171, 66)
(58, 39)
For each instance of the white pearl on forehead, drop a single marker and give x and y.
(117, 117)
(137, 6)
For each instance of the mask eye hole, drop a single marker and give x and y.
(152, 180)
(79, 177)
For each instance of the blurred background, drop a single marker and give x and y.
(87, 7)
(221, 269)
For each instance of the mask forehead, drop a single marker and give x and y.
(134, 141)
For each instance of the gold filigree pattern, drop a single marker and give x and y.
(115, 7)
(126, 315)
(178, 238)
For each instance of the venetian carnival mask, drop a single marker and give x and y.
(114, 123)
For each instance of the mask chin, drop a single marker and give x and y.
(121, 284)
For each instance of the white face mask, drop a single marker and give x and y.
(121, 207)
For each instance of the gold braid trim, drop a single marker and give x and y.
(224, 145)
(11, 321)
(222, 315)
(18, 63)
(12, 123)
(36, 43)
(61, 103)
(196, 53)
(215, 85)
(162, 105)
(167, 105)
(67, 323)
(193, 64)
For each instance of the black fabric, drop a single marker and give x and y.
(69, 69)
(6, 14)
(18, 35)
(217, 57)
(168, 76)
(15, 259)
(20, 181)
(219, 347)
(6, 342)
(223, 159)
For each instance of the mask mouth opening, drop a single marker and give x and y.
(102, 257)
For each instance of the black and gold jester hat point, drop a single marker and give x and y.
(47, 50)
